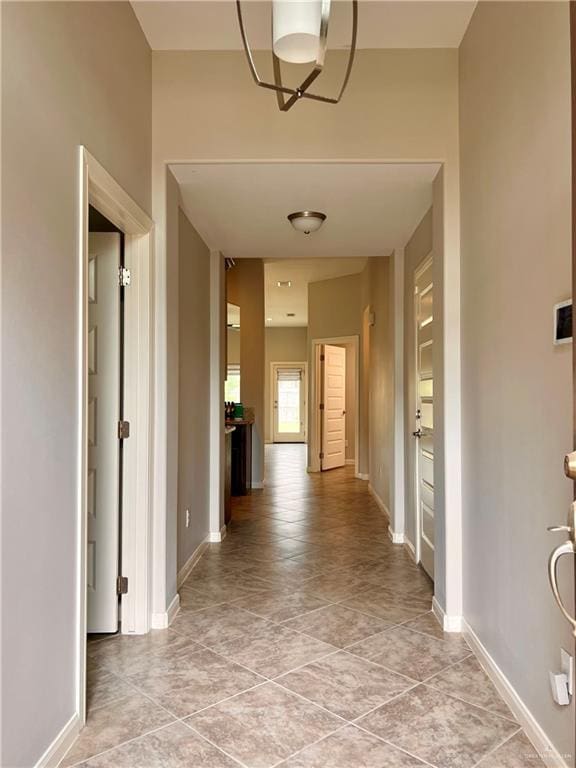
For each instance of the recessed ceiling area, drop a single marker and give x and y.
(281, 301)
(200, 25)
(241, 209)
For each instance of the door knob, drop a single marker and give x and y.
(570, 465)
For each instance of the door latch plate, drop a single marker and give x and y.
(123, 430)
(122, 585)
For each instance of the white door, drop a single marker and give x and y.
(103, 442)
(424, 432)
(333, 407)
(289, 384)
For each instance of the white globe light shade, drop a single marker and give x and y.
(307, 221)
(296, 30)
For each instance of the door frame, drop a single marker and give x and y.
(96, 187)
(314, 438)
(304, 366)
(427, 261)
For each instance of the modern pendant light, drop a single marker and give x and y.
(299, 36)
(307, 221)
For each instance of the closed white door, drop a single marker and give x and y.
(333, 406)
(289, 383)
(103, 442)
(424, 417)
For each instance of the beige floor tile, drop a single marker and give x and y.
(440, 729)
(468, 681)
(351, 748)
(345, 684)
(338, 625)
(212, 625)
(281, 604)
(103, 687)
(175, 746)
(409, 653)
(116, 723)
(118, 653)
(517, 752)
(273, 650)
(388, 605)
(336, 586)
(263, 726)
(428, 624)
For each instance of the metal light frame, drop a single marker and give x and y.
(301, 92)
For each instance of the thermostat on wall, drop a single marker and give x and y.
(563, 322)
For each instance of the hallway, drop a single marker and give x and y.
(305, 639)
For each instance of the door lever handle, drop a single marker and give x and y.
(568, 548)
(559, 528)
(418, 433)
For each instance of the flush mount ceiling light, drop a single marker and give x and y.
(284, 284)
(307, 221)
(299, 36)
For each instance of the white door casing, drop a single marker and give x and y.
(103, 443)
(424, 416)
(333, 365)
(289, 402)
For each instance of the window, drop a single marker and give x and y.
(232, 384)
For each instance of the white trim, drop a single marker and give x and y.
(257, 485)
(397, 321)
(548, 753)
(396, 538)
(217, 369)
(448, 623)
(184, 572)
(214, 537)
(362, 476)
(163, 620)
(379, 501)
(53, 756)
(410, 547)
(98, 188)
(314, 422)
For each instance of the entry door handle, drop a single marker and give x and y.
(568, 548)
(418, 433)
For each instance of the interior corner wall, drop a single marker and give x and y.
(245, 288)
(194, 390)
(282, 345)
(515, 133)
(58, 92)
(418, 248)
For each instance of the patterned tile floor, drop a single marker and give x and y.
(304, 640)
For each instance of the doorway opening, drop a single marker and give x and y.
(289, 402)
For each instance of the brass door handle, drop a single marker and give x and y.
(568, 548)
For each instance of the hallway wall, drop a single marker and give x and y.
(245, 288)
(194, 390)
(282, 345)
(517, 388)
(59, 90)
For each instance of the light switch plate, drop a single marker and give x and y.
(567, 666)
(559, 686)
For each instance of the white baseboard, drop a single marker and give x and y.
(184, 572)
(362, 476)
(410, 547)
(548, 753)
(379, 501)
(448, 623)
(257, 484)
(214, 537)
(163, 620)
(61, 744)
(396, 538)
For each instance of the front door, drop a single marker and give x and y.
(424, 417)
(289, 383)
(104, 403)
(333, 406)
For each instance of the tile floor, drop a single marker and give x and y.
(304, 640)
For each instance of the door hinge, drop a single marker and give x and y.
(321, 406)
(124, 277)
(123, 430)
(321, 455)
(122, 585)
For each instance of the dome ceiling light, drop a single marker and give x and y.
(307, 221)
(299, 36)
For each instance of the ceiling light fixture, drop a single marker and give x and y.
(307, 221)
(299, 36)
(284, 284)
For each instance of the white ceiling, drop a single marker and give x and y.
(212, 24)
(300, 272)
(240, 209)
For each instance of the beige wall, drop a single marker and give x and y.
(282, 345)
(194, 390)
(245, 288)
(233, 347)
(59, 90)
(517, 388)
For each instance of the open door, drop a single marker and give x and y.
(568, 547)
(104, 404)
(289, 383)
(333, 406)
